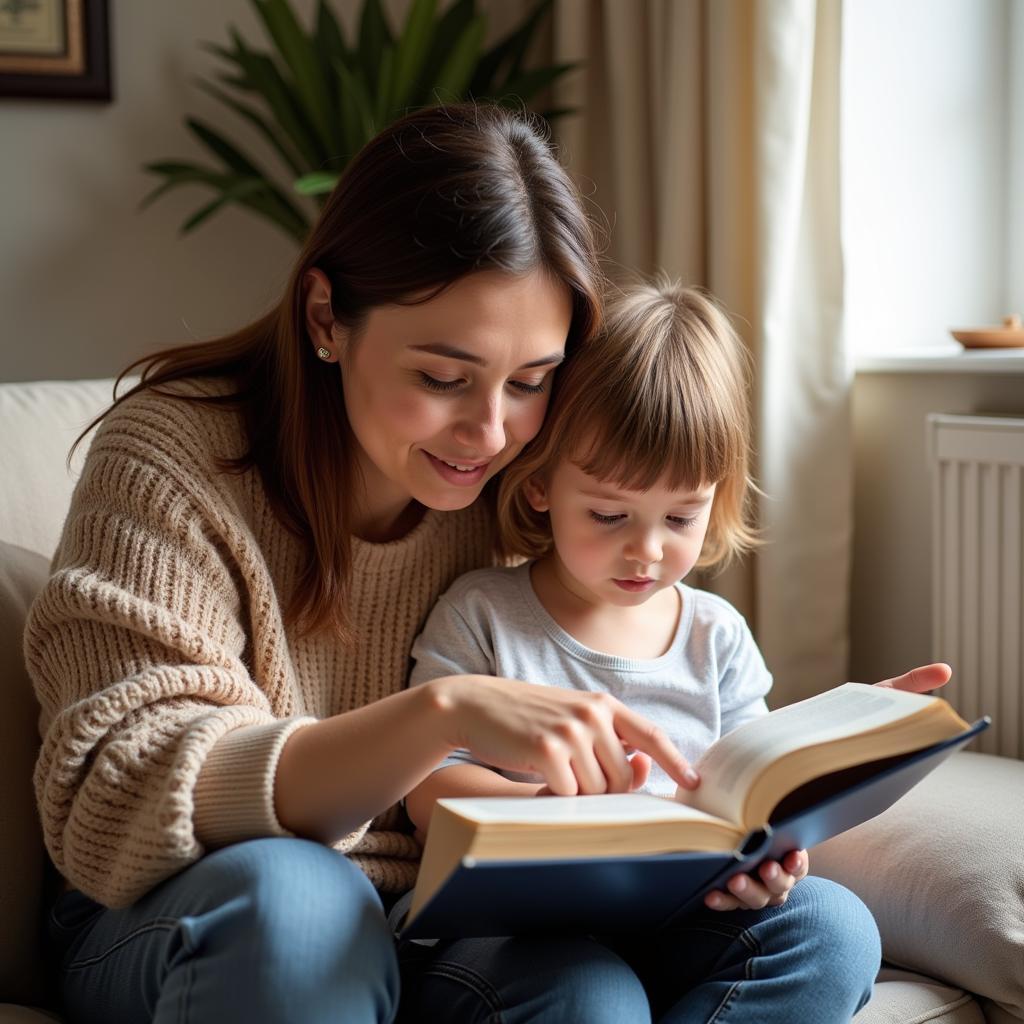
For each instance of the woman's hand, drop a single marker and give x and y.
(576, 740)
(921, 679)
(768, 888)
(639, 763)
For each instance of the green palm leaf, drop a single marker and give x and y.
(328, 37)
(374, 38)
(175, 174)
(507, 54)
(318, 183)
(220, 147)
(356, 108)
(526, 85)
(300, 56)
(234, 193)
(286, 152)
(454, 76)
(316, 102)
(244, 168)
(411, 52)
(265, 78)
(449, 28)
(254, 193)
(385, 76)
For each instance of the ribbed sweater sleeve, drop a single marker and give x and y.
(138, 649)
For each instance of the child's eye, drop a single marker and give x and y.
(528, 389)
(433, 384)
(607, 520)
(683, 522)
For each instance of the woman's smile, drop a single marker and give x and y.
(462, 474)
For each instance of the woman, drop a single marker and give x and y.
(258, 533)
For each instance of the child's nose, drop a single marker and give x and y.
(645, 548)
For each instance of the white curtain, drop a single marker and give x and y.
(708, 136)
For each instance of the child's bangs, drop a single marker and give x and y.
(666, 435)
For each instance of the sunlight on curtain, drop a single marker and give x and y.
(709, 138)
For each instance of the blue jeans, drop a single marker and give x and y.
(812, 960)
(277, 930)
(271, 930)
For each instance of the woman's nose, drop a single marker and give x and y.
(481, 427)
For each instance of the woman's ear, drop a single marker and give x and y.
(536, 493)
(319, 317)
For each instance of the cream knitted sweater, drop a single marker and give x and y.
(167, 680)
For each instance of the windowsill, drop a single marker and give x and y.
(942, 359)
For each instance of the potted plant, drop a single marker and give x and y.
(316, 97)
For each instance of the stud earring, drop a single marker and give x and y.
(323, 353)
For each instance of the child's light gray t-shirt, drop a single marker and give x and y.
(710, 680)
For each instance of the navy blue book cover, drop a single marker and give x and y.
(619, 894)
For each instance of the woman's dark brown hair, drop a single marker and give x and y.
(437, 195)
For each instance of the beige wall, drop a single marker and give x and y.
(891, 586)
(87, 282)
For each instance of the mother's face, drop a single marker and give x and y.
(444, 394)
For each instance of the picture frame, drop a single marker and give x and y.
(56, 49)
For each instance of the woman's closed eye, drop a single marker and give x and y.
(443, 386)
(447, 386)
(527, 388)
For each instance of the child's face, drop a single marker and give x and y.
(616, 546)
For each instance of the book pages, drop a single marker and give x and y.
(730, 766)
(599, 809)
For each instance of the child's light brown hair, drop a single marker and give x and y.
(660, 395)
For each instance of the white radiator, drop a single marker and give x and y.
(977, 465)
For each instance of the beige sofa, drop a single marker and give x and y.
(943, 870)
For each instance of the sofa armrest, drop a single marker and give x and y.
(942, 870)
(22, 575)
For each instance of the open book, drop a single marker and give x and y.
(786, 781)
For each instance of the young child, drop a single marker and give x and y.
(639, 475)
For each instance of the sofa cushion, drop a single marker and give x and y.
(953, 851)
(22, 574)
(901, 997)
(39, 421)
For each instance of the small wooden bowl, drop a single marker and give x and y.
(1010, 335)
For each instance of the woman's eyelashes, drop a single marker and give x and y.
(678, 522)
(448, 386)
(443, 386)
(526, 388)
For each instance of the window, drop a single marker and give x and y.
(932, 168)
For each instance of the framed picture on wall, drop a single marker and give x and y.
(55, 48)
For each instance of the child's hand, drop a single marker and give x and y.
(921, 679)
(768, 888)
